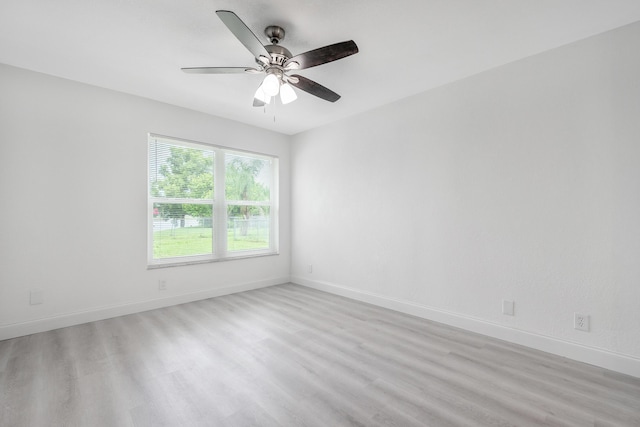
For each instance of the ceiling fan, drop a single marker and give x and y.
(277, 62)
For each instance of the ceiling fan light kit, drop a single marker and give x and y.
(261, 98)
(271, 84)
(287, 94)
(276, 62)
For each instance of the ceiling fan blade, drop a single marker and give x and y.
(324, 54)
(243, 33)
(219, 70)
(313, 88)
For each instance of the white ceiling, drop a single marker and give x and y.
(406, 46)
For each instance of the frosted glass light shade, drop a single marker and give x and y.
(271, 85)
(261, 96)
(287, 94)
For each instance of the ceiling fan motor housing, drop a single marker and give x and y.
(279, 54)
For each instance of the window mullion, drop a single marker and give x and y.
(219, 207)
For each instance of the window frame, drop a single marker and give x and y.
(218, 203)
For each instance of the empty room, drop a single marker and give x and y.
(306, 213)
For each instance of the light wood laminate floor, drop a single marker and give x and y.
(292, 356)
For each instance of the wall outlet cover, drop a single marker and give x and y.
(36, 297)
(581, 322)
(508, 307)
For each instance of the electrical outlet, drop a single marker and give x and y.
(309, 268)
(507, 307)
(162, 285)
(581, 322)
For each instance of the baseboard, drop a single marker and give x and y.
(70, 319)
(591, 355)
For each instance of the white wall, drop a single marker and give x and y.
(521, 183)
(73, 185)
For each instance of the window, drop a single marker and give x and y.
(209, 203)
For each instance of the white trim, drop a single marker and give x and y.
(274, 230)
(181, 201)
(247, 203)
(592, 355)
(70, 319)
(219, 211)
(210, 260)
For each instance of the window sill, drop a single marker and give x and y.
(209, 261)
